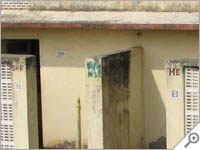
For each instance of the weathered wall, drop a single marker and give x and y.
(102, 5)
(175, 106)
(115, 88)
(32, 104)
(20, 105)
(116, 101)
(122, 124)
(116, 5)
(94, 99)
(136, 102)
(67, 74)
(24, 101)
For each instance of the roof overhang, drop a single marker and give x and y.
(100, 20)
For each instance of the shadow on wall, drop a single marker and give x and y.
(155, 110)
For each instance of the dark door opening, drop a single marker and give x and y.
(27, 47)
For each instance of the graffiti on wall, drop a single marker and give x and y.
(94, 69)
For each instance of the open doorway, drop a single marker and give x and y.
(27, 47)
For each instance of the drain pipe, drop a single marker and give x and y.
(79, 124)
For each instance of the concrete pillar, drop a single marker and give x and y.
(24, 99)
(115, 100)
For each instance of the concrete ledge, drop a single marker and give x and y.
(98, 20)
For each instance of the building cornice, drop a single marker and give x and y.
(100, 20)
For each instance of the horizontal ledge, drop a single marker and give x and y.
(102, 26)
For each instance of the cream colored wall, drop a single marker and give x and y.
(175, 107)
(63, 78)
(136, 102)
(20, 105)
(94, 100)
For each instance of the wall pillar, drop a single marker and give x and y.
(115, 101)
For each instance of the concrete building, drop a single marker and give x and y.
(62, 40)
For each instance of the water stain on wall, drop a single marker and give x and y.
(159, 144)
(64, 145)
(115, 83)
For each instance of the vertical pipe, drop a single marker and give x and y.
(79, 124)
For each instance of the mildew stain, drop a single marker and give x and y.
(159, 144)
(64, 145)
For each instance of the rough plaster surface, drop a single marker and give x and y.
(112, 17)
(159, 144)
(159, 46)
(116, 93)
(25, 117)
(94, 104)
(111, 5)
(175, 107)
(119, 108)
(91, 5)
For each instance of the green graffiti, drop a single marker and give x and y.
(94, 69)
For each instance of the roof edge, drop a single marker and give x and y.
(102, 26)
